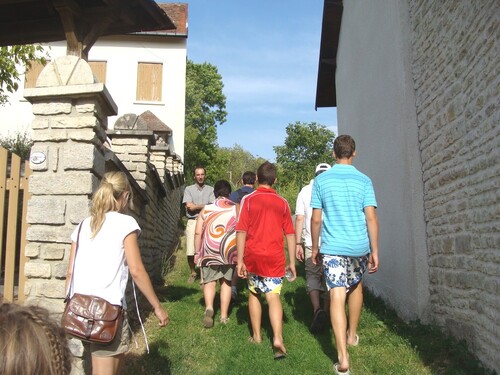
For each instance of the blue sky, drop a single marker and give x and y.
(267, 54)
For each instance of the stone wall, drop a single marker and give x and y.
(456, 74)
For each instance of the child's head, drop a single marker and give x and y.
(113, 194)
(222, 188)
(31, 342)
(248, 178)
(344, 147)
(266, 174)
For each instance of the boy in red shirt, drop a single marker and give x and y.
(264, 218)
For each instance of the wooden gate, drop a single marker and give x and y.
(14, 197)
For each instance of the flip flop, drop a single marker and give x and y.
(356, 340)
(278, 354)
(339, 372)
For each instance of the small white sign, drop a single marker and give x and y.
(38, 157)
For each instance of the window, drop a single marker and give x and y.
(99, 70)
(32, 74)
(149, 82)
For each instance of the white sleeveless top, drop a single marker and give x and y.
(101, 269)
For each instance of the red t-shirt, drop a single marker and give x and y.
(265, 217)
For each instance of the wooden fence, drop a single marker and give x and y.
(14, 197)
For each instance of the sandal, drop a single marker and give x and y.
(224, 320)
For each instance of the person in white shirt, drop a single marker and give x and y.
(107, 251)
(314, 273)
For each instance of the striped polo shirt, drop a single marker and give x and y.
(342, 193)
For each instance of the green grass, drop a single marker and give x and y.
(387, 344)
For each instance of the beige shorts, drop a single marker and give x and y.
(214, 273)
(120, 345)
(190, 229)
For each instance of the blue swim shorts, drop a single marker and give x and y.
(260, 284)
(343, 271)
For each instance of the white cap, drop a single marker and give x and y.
(322, 167)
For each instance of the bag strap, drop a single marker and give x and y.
(70, 287)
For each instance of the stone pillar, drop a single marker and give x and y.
(68, 131)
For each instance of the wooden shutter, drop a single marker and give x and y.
(99, 70)
(149, 82)
(32, 74)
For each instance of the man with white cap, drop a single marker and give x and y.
(314, 275)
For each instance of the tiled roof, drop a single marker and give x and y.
(178, 13)
(152, 122)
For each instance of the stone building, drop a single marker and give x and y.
(416, 83)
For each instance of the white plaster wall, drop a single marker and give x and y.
(122, 54)
(376, 105)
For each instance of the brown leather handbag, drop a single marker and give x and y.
(90, 318)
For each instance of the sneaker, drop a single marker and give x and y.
(208, 319)
(319, 321)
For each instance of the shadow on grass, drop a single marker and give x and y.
(174, 293)
(154, 363)
(438, 351)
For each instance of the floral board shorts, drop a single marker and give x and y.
(343, 271)
(260, 284)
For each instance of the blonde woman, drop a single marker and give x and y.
(31, 343)
(107, 251)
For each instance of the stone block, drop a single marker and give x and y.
(78, 156)
(46, 233)
(40, 123)
(71, 183)
(78, 208)
(73, 122)
(52, 289)
(59, 270)
(46, 209)
(52, 251)
(52, 108)
(49, 135)
(32, 250)
(37, 270)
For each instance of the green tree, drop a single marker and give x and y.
(306, 145)
(205, 110)
(230, 163)
(14, 61)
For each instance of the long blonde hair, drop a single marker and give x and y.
(31, 342)
(105, 199)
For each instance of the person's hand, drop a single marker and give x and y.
(241, 269)
(162, 316)
(373, 262)
(314, 256)
(299, 252)
(291, 268)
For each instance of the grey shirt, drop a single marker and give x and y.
(195, 194)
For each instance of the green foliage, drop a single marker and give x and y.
(205, 110)
(306, 145)
(19, 144)
(230, 163)
(13, 58)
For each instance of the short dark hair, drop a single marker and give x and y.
(344, 146)
(248, 178)
(266, 173)
(222, 188)
(199, 167)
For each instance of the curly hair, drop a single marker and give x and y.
(31, 342)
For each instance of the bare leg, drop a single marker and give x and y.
(355, 304)
(106, 365)
(255, 311)
(234, 285)
(225, 297)
(339, 324)
(276, 318)
(209, 294)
